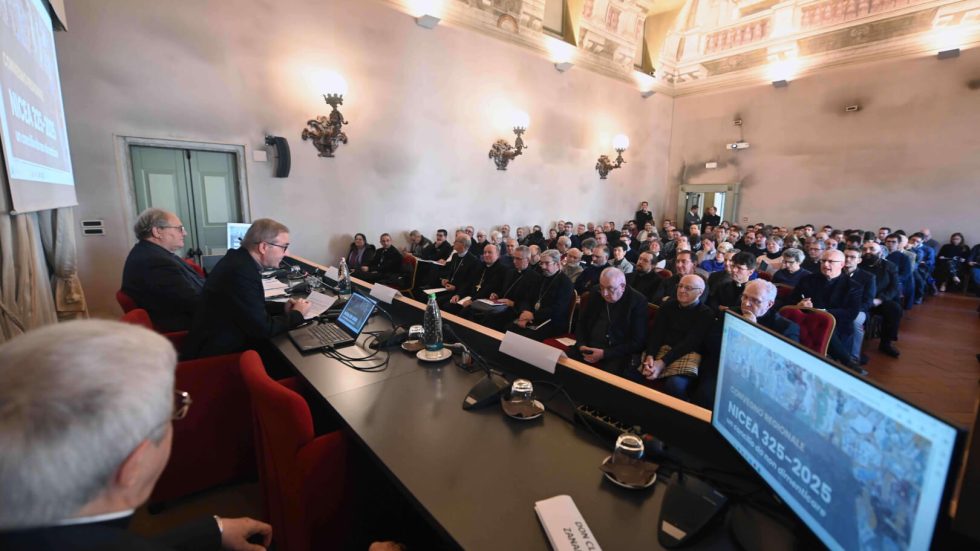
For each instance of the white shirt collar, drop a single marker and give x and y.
(96, 518)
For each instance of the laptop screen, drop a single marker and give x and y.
(356, 313)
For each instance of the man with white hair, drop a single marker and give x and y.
(572, 264)
(156, 278)
(86, 433)
(611, 330)
(756, 306)
(547, 313)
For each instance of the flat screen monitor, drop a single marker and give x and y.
(860, 467)
(236, 232)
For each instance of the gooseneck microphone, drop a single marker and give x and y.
(487, 391)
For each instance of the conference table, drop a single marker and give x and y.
(476, 474)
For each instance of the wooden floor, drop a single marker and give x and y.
(938, 369)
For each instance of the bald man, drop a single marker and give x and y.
(829, 290)
(611, 330)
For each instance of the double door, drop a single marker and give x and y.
(201, 187)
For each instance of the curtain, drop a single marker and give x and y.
(58, 238)
(26, 300)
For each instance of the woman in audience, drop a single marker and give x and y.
(950, 261)
(772, 260)
(792, 272)
(552, 239)
(361, 252)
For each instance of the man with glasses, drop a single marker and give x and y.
(516, 295)
(96, 411)
(386, 264)
(674, 345)
(157, 279)
(814, 250)
(885, 303)
(829, 291)
(863, 279)
(896, 256)
(233, 315)
(728, 294)
(611, 330)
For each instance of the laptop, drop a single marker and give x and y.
(344, 332)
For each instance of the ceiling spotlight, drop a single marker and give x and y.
(948, 54)
(563, 66)
(646, 93)
(780, 83)
(427, 21)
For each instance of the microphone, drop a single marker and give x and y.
(488, 390)
(395, 337)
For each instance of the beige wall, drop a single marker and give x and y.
(910, 158)
(424, 108)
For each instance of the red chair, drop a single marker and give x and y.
(139, 316)
(765, 275)
(410, 265)
(212, 446)
(783, 291)
(652, 310)
(197, 267)
(816, 326)
(303, 476)
(578, 302)
(665, 274)
(126, 302)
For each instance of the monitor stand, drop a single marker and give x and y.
(755, 530)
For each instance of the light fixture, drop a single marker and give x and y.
(604, 165)
(780, 83)
(563, 66)
(326, 132)
(646, 93)
(502, 152)
(948, 54)
(427, 21)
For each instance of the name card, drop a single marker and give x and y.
(566, 529)
(539, 355)
(384, 293)
(332, 273)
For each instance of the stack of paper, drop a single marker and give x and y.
(273, 287)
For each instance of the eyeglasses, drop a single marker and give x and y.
(690, 288)
(283, 247)
(609, 290)
(182, 404)
(181, 228)
(829, 261)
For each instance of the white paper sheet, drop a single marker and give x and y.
(320, 304)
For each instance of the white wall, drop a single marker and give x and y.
(910, 158)
(424, 107)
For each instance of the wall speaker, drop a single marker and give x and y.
(282, 155)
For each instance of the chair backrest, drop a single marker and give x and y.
(765, 275)
(652, 310)
(410, 265)
(283, 425)
(138, 316)
(783, 290)
(197, 267)
(125, 301)
(816, 326)
(665, 274)
(571, 310)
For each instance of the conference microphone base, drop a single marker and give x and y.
(486, 392)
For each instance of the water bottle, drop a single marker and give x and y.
(432, 327)
(343, 283)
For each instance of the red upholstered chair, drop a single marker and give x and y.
(652, 310)
(197, 267)
(665, 274)
(765, 275)
(303, 476)
(578, 303)
(125, 301)
(816, 326)
(783, 290)
(213, 444)
(410, 268)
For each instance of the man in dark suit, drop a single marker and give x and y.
(386, 264)
(711, 218)
(612, 329)
(101, 464)
(547, 315)
(516, 295)
(459, 271)
(728, 293)
(644, 279)
(489, 280)
(691, 218)
(156, 278)
(886, 302)
(591, 272)
(906, 279)
(852, 258)
(233, 315)
(829, 290)
(643, 215)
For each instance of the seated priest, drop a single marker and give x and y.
(683, 265)
(572, 264)
(591, 272)
(611, 330)
(675, 342)
(645, 278)
(489, 280)
(547, 315)
(459, 271)
(728, 294)
(385, 266)
(516, 294)
(233, 315)
(158, 280)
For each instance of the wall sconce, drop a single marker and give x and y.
(326, 132)
(604, 165)
(948, 54)
(502, 152)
